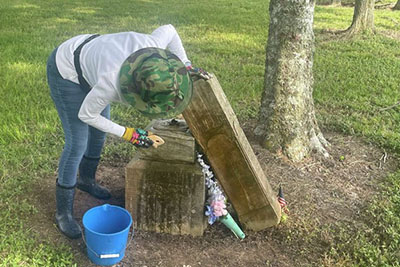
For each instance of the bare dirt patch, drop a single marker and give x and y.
(322, 193)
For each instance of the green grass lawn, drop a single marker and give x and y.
(354, 80)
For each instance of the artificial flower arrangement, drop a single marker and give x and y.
(216, 201)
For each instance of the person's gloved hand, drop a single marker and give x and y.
(138, 137)
(198, 72)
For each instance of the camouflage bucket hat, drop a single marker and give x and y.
(156, 83)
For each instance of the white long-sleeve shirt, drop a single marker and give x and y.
(101, 60)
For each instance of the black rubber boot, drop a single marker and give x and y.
(64, 215)
(87, 180)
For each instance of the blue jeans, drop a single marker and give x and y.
(80, 138)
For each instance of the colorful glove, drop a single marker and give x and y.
(138, 137)
(198, 73)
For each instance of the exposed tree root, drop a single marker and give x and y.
(318, 144)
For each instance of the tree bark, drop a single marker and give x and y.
(363, 18)
(397, 6)
(287, 120)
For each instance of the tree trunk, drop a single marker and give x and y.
(363, 18)
(397, 6)
(287, 117)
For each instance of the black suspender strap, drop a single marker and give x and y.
(83, 83)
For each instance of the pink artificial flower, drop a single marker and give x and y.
(219, 208)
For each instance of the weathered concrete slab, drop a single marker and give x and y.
(213, 123)
(164, 187)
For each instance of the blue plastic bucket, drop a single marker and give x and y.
(106, 233)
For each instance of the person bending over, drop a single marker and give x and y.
(150, 72)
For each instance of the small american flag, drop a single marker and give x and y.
(282, 201)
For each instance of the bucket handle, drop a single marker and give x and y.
(107, 256)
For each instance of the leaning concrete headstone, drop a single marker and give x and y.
(213, 123)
